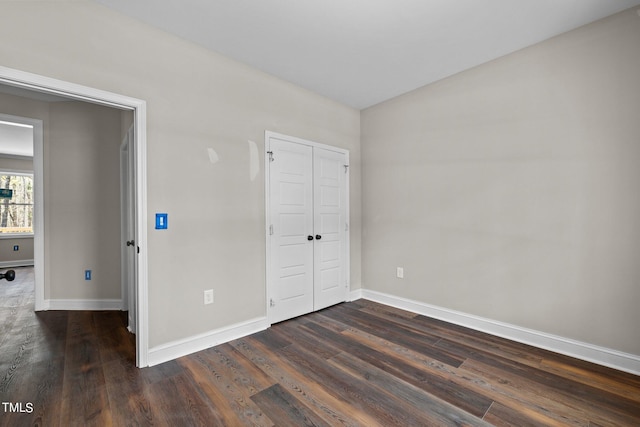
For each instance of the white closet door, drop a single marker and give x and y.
(291, 204)
(329, 179)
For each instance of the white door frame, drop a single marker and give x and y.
(44, 84)
(268, 221)
(127, 228)
(124, 164)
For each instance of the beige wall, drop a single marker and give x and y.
(510, 191)
(11, 258)
(81, 197)
(16, 164)
(196, 100)
(83, 201)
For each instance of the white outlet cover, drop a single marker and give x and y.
(208, 296)
(400, 272)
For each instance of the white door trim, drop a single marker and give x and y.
(124, 159)
(127, 225)
(44, 84)
(268, 220)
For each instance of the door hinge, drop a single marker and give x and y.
(346, 168)
(346, 226)
(270, 153)
(271, 230)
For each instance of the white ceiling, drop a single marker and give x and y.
(16, 139)
(362, 52)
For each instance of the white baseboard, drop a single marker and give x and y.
(173, 350)
(83, 304)
(580, 350)
(355, 295)
(18, 263)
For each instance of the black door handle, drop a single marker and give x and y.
(318, 237)
(309, 237)
(130, 243)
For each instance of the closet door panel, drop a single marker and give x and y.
(329, 189)
(291, 252)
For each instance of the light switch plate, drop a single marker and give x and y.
(161, 221)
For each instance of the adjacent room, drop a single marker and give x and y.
(320, 213)
(16, 192)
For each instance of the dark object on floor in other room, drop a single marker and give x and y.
(8, 275)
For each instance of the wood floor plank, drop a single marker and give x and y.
(571, 389)
(128, 391)
(408, 355)
(381, 309)
(498, 390)
(16, 351)
(322, 349)
(247, 376)
(271, 338)
(545, 399)
(355, 364)
(544, 370)
(232, 407)
(350, 388)
(502, 416)
(470, 401)
(615, 382)
(399, 324)
(521, 397)
(84, 394)
(284, 409)
(40, 386)
(397, 333)
(432, 410)
(619, 383)
(114, 341)
(31, 357)
(160, 372)
(177, 401)
(89, 408)
(477, 340)
(332, 409)
(50, 340)
(9, 316)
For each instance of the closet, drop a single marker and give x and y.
(307, 226)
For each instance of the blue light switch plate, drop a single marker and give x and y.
(161, 221)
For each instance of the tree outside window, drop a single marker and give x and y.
(16, 203)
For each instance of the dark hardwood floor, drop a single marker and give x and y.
(357, 363)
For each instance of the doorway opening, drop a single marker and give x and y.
(21, 219)
(23, 81)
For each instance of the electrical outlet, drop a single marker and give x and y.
(208, 296)
(87, 275)
(400, 273)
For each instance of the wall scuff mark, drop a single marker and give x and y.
(213, 156)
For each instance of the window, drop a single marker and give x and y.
(16, 203)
